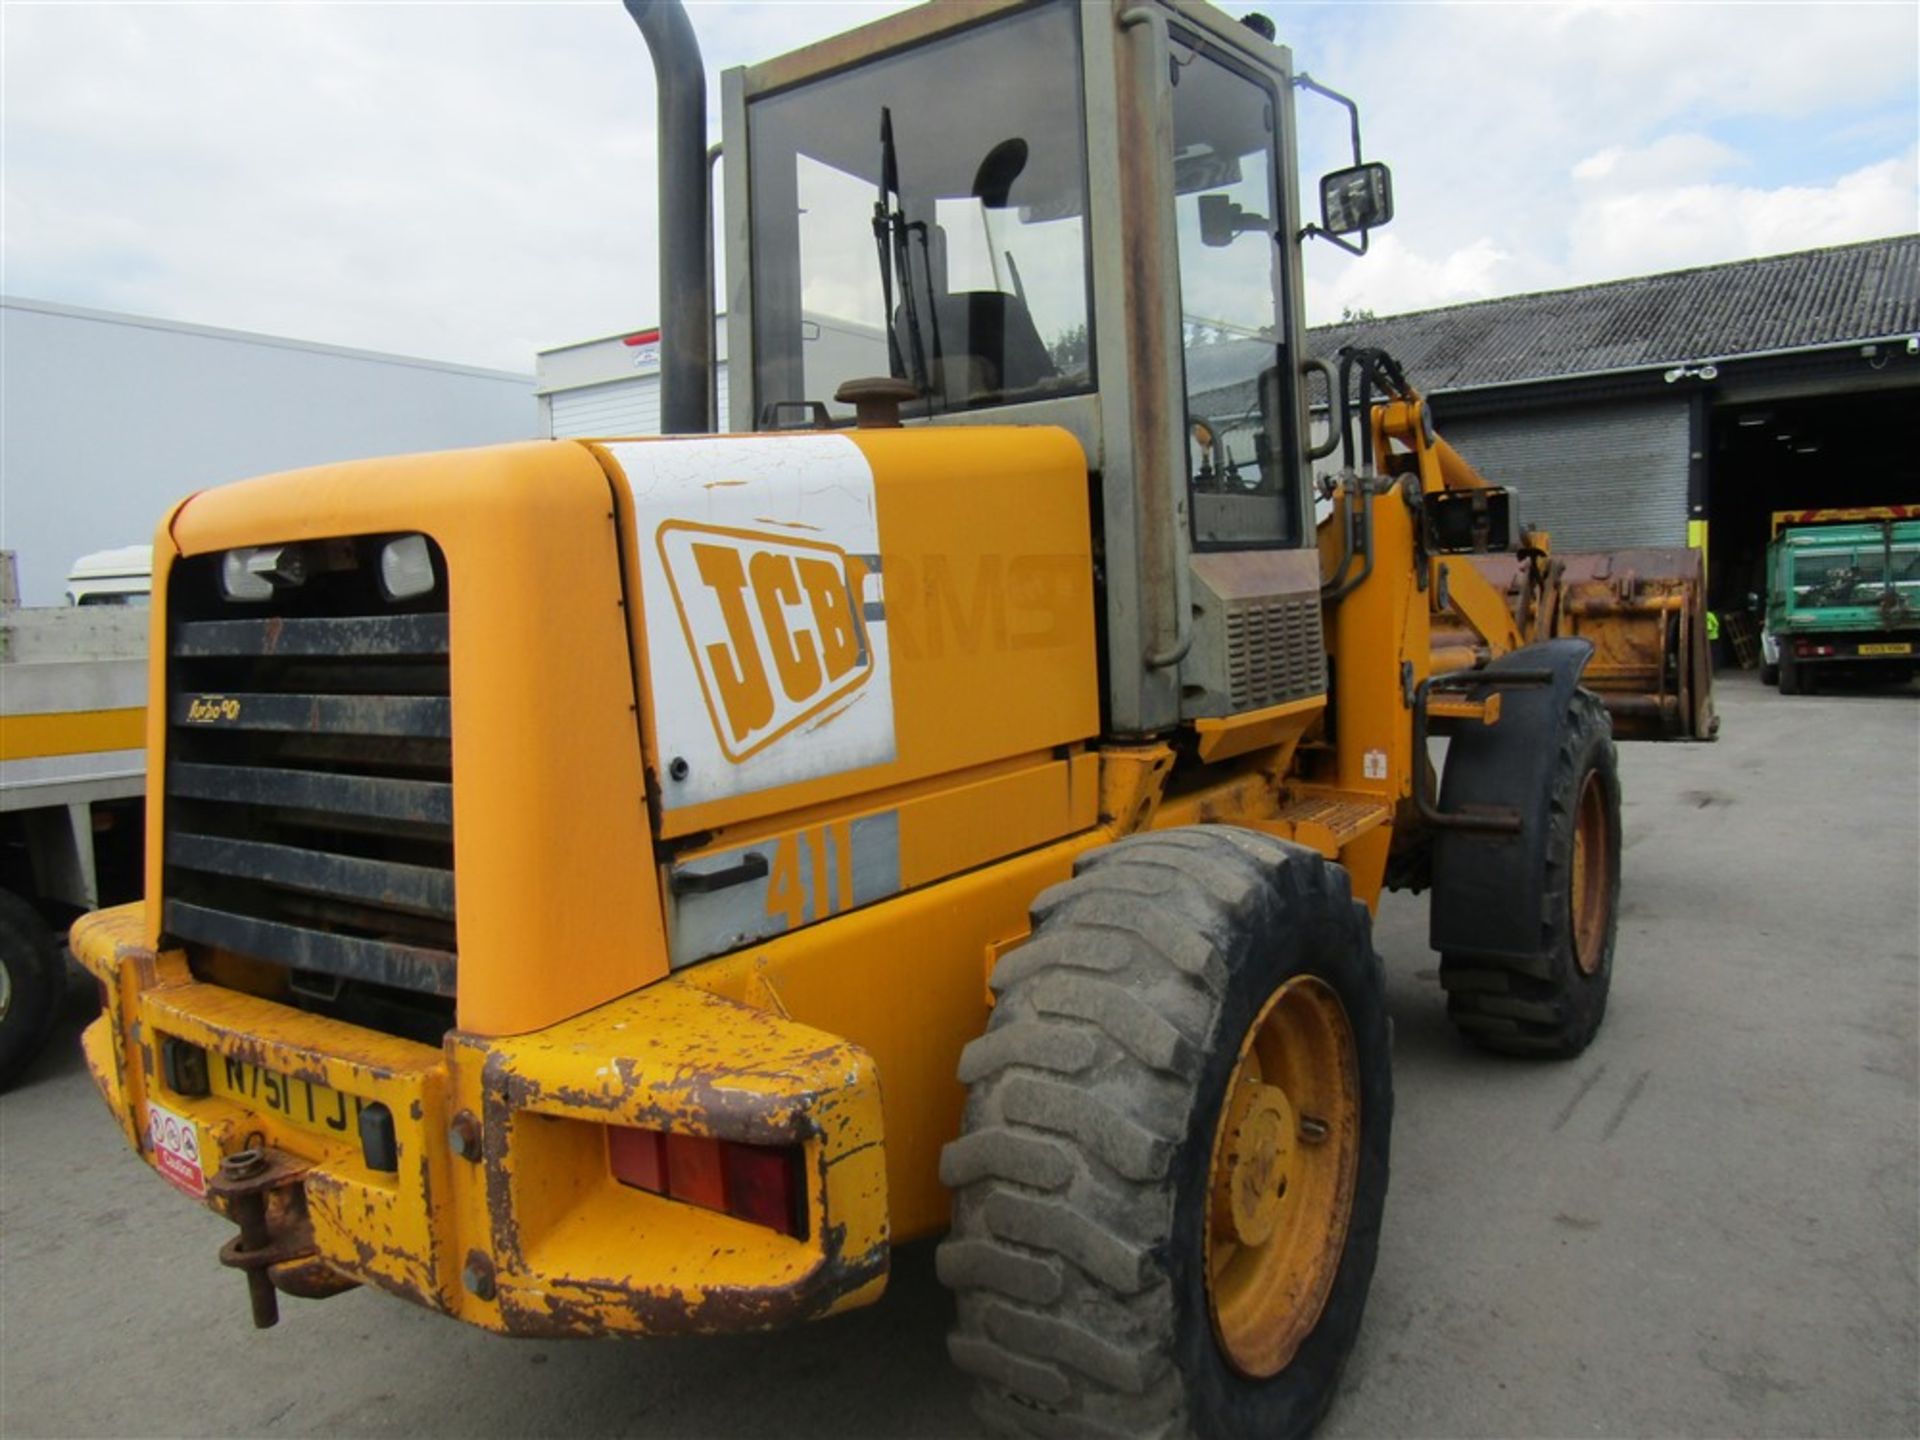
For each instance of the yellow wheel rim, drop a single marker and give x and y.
(1592, 875)
(1280, 1187)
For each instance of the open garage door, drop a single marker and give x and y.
(1799, 454)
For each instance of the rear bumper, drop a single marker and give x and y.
(1897, 647)
(535, 1236)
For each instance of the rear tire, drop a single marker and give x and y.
(1093, 1286)
(1769, 674)
(1795, 678)
(31, 983)
(1551, 1005)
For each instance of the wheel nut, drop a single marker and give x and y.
(463, 1136)
(1313, 1130)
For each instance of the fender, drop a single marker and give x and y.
(1488, 887)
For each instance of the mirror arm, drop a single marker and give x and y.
(1310, 232)
(1304, 81)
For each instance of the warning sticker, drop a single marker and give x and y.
(176, 1148)
(1373, 765)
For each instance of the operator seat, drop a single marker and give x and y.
(988, 345)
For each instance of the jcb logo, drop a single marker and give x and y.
(774, 625)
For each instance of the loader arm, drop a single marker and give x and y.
(1644, 610)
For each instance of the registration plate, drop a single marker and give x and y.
(301, 1103)
(1900, 647)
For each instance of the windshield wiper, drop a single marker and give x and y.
(890, 231)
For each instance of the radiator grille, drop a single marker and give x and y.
(309, 784)
(1274, 651)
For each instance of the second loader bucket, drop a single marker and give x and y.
(1646, 613)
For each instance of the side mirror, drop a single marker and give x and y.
(1216, 220)
(1355, 199)
(1221, 220)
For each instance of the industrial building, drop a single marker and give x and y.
(1685, 407)
(1672, 409)
(109, 419)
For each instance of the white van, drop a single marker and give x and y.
(112, 577)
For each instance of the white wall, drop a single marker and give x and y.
(106, 420)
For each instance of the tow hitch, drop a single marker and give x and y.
(261, 1191)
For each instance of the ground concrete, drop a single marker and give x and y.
(1707, 1225)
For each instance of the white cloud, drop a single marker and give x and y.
(472, 183)
(1665, 227)
(1672, 159)
(464, 183)
(1620, 227)
(1393, 278)
(1508, 126)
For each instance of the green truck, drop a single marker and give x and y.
(1843, 596)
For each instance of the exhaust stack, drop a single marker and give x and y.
(686, 287)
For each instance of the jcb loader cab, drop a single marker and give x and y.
(627, 886)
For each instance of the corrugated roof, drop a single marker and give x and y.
(1719, 312)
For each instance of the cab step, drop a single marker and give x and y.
(1330, 820)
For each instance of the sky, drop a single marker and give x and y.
(474, 182)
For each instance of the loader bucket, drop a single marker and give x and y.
(1646, 613)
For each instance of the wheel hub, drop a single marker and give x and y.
(1282, 1178)
(1591, 892)
(1258, 1152)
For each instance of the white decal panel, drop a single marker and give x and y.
(766, 629)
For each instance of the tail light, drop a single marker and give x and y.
(761, 1184)
(182, 1066)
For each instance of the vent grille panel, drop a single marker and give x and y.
(1274, 651)
(309, 785)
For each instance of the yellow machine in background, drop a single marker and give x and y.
(627, 886)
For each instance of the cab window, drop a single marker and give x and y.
(906, 225)
(1230, 291)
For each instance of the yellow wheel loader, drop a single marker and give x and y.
(626, 887)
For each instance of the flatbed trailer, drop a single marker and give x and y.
(73, 775)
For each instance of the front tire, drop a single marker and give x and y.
(1170, 1177)
(1551, 1004)
(31, 982)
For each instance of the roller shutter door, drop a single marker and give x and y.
(620, 407)
(1601, 477)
